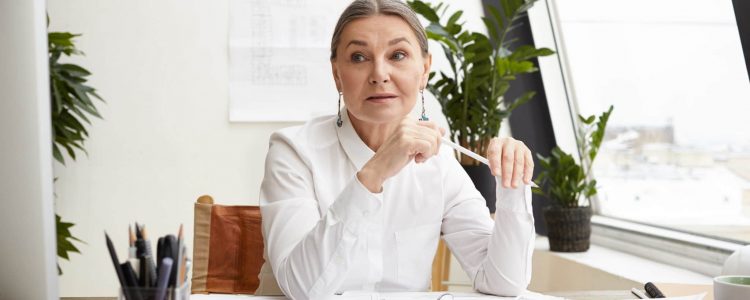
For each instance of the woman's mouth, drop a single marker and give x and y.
(381, 98)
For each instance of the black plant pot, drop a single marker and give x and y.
(568, 229)
(484, 182)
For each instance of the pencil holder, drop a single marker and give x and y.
(152, 293)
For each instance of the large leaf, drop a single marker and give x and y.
(482, 68)
(71, 107)
(70, 97)
(425, 10)
(65, 240)
(562, 178)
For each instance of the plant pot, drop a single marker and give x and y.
(484, 181)
(568, 229)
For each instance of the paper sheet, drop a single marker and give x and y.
(440, 296)
(691, 297)
(279, 67)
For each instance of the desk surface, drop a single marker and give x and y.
(389, 296)
(670, 289)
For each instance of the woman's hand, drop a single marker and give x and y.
(512, 160)
(412, 140)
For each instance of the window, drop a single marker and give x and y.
(677, 149)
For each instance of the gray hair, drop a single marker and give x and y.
(365, 8)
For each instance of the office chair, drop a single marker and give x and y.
(228, 252)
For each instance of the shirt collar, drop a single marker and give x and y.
(355, 148)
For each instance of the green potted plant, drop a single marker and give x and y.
(71, 103)
(481, 71)
(570, 186)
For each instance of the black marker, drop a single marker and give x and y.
(653, 291)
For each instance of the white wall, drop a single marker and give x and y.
(165, 138)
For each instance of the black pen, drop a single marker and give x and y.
(115, 260)
(118, 269)
(131, 281)
(653, 291)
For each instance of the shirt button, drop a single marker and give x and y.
(366, 213)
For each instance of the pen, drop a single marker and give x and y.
(638, 293)
(131, 281)
(148, 255)
(146, 280)
(132, 256)
(471, 153)
(171, 251)
(116, 262)
(165, 267)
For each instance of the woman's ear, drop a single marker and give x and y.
(426, 73)
(335, 72)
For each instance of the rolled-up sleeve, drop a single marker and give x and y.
(310, 254)
(496, 255)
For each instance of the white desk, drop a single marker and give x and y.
(674, 290)
(387, 296)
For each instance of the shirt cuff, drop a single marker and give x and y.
(513, 199)
(356, 202)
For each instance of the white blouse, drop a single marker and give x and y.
(325, 233)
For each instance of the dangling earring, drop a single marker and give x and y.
(339, 122)
(424, 115)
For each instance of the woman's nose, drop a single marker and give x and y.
(379, 73)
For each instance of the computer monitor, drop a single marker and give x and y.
(27, 222)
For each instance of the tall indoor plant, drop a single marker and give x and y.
(481, 71)
(71, 107)
(570, 186)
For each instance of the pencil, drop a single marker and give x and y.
(131, 236)
(179, 233)
(471, 154)
(149, 256)
(133, 251)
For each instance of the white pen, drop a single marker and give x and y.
(638, 293)
(471, 154)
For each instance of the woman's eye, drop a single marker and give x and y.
(358, 57)
(399, 55)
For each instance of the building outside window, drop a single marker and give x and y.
(677, 149)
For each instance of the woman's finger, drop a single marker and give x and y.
(433, 136)
(528, 172)
(422, 148)
(519, 164)
(493, 155)
(438, 132)
(508, 160)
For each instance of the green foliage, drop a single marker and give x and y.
(71, 106)
(71, 98)
(562, 179)
(482, 69)
(64, 240)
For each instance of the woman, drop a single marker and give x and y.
(359, 201)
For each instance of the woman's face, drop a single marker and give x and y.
(379, 67)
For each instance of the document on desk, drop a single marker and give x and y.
(357, 295)
(439, 296)
(691, 297)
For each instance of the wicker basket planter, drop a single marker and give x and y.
(568, 229)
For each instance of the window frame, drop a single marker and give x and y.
(700, 253)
